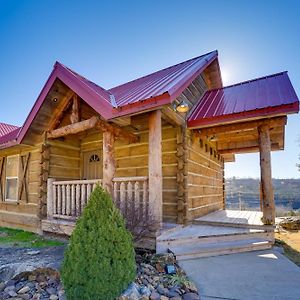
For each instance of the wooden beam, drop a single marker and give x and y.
(172, 117)
(75, 110)
(155, 165)
(267, 194)
(117, 131)
(247, 149)
(73, 128)
(229, 157)
(61, 111)
(23, 181)
(237, 127)
(109, 163)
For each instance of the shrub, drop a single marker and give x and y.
(99, 262)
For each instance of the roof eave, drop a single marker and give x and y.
(284, 109)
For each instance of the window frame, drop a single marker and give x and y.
(12, 177)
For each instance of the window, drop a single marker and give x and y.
(94, 158)
(12, 169)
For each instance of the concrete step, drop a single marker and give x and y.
(205, 234)
(235, 225)
(198, 250)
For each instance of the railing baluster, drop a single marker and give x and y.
(59, 199)
(73, 201)
(122, 197)
(68, 200)
(83, 196)
(63, 200)
(77, 200)
(89, 190)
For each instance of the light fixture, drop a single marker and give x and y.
(182, 107)
(55, 100)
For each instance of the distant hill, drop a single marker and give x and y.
(245, 192)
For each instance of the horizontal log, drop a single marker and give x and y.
(73, 128)
(277, 121)
(251, 149)
(93, 122)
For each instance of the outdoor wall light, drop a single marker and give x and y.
(54, 100)
(182, 107)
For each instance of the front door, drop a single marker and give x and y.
(92, 168)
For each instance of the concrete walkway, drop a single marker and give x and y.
(258, 275)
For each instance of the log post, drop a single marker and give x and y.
(50, 198)
(267, 195)
(109, 164)
(182, 178)
(155, 166)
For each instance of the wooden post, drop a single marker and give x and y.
(109, 164)
(268, 206)
(182, 192)
(155, 166)
(50, 198)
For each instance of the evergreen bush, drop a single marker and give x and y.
(99, 262)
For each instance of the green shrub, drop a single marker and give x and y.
(99, 262)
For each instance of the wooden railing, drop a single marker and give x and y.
(67, 199)
(131, 196)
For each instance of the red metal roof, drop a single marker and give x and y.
(6, 128)
(264, 96)
(171, 80)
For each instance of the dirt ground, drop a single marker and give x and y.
(290, 241)
(292, 238)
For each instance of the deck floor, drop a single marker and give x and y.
(234, 217)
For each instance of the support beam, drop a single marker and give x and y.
(74, 118)
(155, 166)
(109, 163)
(93, 122)
(267, 195)
(73, 128)
(238, 127)
(247, 149)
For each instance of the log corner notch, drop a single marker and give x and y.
(267, 194)
(93, 122)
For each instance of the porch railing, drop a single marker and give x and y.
(67, 199)
(131, 196)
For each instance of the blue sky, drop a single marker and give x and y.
(114, 41)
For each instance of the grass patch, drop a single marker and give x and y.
(20, 238)
(289, 252)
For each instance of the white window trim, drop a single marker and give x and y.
(12, 177)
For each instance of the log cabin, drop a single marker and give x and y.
(159, 142)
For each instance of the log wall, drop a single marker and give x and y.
(204, 178)
(22, 213)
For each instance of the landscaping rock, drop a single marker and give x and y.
(151, 283)
(290, 223)
(154, 296)
(24, 290)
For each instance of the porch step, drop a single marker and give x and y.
(235, 225)
(198, 250)
(205, 234)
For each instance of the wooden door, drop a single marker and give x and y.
(92, 165)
